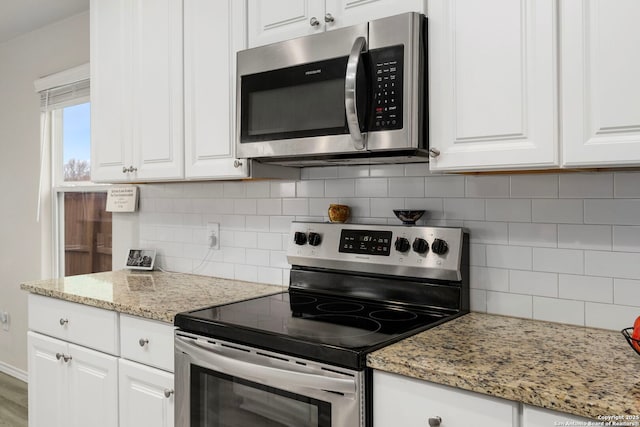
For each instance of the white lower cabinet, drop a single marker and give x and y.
(407, 402)
(146, 396)
(538, 417)
(70, 385)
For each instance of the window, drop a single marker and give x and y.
(80, 226)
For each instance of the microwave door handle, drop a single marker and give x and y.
(214, 360)
(359, 138)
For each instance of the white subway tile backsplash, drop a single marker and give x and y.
(512, 210)
(512, 257)
(595, 237)
(586, 288)
(488, 232)
(310, 188)
(465, 209)
(626, 292)
(534, 186)
(626, 238)
(406, 187)
(371, 187)
(616, 212)
(295, 206)
(612, 264)
(340, 188)
(557, 211)
(444, 186)
(559, 310)
(531, 234)
(283, 189)
(586, 185)
(533, 283)
(487, 186)
(548, 246)
(558, 260)
(386, 170)
(609, 316)
(625, 185)
(510, 304)
(491, 279)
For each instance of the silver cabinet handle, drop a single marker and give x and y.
(435, 421)
(143, 342)
(237, 164)
(63, 321)
(328, 18)
(434, 152)
(62, 356)
(168, 392)
(132, 169)
(359, 138)
(314, 21)
(125, 169)
(129, 169)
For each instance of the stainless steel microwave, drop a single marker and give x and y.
(356, 95)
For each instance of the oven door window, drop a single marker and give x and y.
(219, 400)
(294, 102)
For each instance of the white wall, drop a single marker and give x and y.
(558, 247)
(22, 60)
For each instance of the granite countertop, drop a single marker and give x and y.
(152, 295)
(581, 371)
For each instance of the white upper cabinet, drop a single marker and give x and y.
(136, 91)
(214, 32)
(273, 21)
(600, 82)
(492, 84)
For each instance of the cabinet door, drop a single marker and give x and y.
(110, 89)
(214, 31)
(93, 388)
(492, 91)
(538, 417)
(143, 402)
(352, 12)
(156, 63)
(406, 402)
(599, 81)
(276, 20)
(48, 401)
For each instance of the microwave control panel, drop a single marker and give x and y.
(387, 66)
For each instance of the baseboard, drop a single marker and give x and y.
(13, 371)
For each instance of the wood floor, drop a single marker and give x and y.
(13, 402)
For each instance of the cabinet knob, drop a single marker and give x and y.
(435, 421)
(237, 163)
(129, 169)
(125, 169)
(63, 321)
(63, 356)
(434, 152)
(168, 392)
(314, 21)
(328, 18)
(143, 342)
(59, 356)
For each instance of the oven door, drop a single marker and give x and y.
(229, 385)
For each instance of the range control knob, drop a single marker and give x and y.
(300, 238)
(420, 246)
(315, 239)
(402, 244)
(439, 247)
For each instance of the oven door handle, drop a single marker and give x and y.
(212, 359)
(350, 90)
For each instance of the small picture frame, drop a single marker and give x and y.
(141, 259)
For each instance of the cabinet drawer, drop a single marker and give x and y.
(147, 341)
(80, 324)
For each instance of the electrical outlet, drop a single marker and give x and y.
(213, 235)
(4, 319)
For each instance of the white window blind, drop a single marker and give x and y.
(64, 96)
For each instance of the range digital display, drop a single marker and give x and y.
(365, 242)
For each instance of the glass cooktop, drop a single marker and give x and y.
(314, 326)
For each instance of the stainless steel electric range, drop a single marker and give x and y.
(298, 358)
